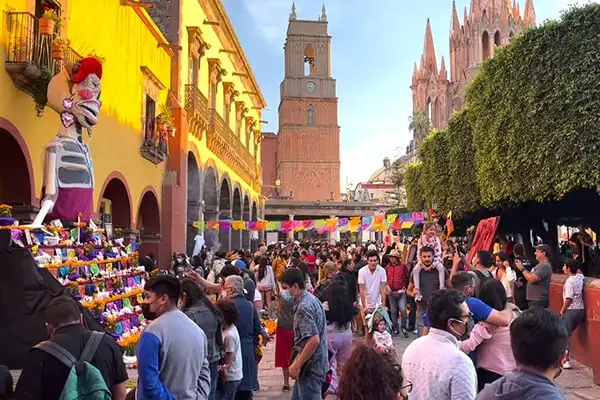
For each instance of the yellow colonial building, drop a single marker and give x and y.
(129, 143)
(214, 161)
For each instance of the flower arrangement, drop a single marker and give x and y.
(58, 48)
(5, 210)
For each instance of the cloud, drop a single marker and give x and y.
(270, 17)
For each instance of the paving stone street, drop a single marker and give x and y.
(576, 383)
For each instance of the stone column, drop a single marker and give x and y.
(225, 236)
(211, 237)
(291, 233)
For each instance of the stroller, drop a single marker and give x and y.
(377, 315)
(382, 341)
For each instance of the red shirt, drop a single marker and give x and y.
(397, 276)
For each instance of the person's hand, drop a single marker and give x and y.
(195, 276)
(519, 264)
(294, 370)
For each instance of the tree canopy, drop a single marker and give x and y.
(531, 132)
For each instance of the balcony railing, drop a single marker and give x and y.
(29, 54)
(154, 151)
(196, 105)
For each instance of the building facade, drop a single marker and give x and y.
(214, 169)
(379, 188)
(308, 141)
(487, 25)
(127, 146)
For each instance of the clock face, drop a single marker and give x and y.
(310, 87)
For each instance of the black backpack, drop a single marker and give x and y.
(482, 280)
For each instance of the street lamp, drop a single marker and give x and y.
(278, 186)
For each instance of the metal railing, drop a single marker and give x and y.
(195, 100)
(25, 44)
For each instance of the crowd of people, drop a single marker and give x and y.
(483, 325)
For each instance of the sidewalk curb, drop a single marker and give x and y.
(584, 396)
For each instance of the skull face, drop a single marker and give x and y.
(86, 102)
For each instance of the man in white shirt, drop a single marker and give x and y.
(372, 284)
(433, 364)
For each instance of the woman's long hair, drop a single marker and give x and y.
(341, 310)
(369, 375)
(262, 268)
(493, 294)
(195, 295)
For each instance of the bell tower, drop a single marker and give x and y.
(308, 156)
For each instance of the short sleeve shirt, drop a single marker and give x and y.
(309, 321)
(540, 290)
(480, 311)
(372, 282)
(573, 290)
(231, 342)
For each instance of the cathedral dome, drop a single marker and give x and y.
(382, 174)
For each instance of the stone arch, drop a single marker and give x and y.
(485, 46)
(15, 174)
(210, 204)
(246, 217)
(18, 186)
(511, 35)
(116, 191)
(236, 236)
(437, 113)
(194, 183)
(309, 60)
(430, 110)
(497, 39)
(225, 212)
(148, 222)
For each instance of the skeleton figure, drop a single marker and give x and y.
(68, 175)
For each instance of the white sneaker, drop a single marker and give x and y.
(567, 365)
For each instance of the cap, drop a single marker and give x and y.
(545, 248)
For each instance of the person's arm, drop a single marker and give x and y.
(308, 331)
(479, 333)
(363, 296)
(383, 288)
(483, 312)
(568, 297)
(206, 285)
(148, 368)
(533, 277)
(119, 391)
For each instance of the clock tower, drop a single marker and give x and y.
(308, 143)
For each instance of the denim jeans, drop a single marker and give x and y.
(398, 303)
(420, 324)
(227, 390)
(214, 377)
(308, 387)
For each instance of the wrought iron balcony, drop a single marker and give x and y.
(226, 145)
(196, 106)
(153, 151)
(29, 59)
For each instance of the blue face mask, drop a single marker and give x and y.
(285, 295)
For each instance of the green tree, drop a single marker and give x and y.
(419, 125)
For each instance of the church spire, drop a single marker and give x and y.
(443, 73)
(518, 16)
(293, 13)
(505, 11)
(415, 77)
(529, 18)
(455, 20)
(323, 14)
(429, 49)
(476, 9)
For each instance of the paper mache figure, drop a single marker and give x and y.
(68, 174)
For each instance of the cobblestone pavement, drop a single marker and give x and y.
(576, 383)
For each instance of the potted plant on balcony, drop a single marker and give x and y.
(49, 22)
(39, 90)
(58, 48)
(20, 53)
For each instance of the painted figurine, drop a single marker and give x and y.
(68, 175)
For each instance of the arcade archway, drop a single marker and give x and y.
(15, 183)
(148, 223)
(225, 213)
(115, 204)
(246, 217)
(193, 201)
(210, 197)
(236, 236)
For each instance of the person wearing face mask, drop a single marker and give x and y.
(172, 351)
(284, 336)
(433, 364)
(539, 340)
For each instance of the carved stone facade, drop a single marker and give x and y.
(488, 24)
(308, 142)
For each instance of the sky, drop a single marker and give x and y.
(374, 48)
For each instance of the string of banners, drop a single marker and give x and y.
(377, 223)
